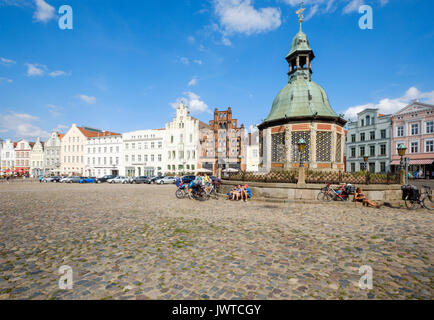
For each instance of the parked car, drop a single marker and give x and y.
(87, 180)
(166, 180)
(51, 179)
(120, 179)
(152, 180)
(139, 180)
(188, 179)
(104, 179)
(71, 179)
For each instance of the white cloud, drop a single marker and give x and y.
(191, 39)
(6, 80)
(87, 99)
(44, 11)
(192, 82)
(6, 62)
(353, 6)
(391, 106)
(35, 70)
(57, 73)
(197, 61)
(240, 16)
(54, 110)
(185, 60)
(193, 101)
(21, 125)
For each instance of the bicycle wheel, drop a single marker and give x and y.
(411, 204)
(428, 202)
(180, 194)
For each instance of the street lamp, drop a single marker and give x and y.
(365, 159)
(401, 151)
(301, 146)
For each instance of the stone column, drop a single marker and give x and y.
(267, 149)
(312, 161)
(288, 148)
(301, 176)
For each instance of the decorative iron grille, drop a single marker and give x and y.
(295, 137)
(323, 146)
(339, 148)
(278, 147)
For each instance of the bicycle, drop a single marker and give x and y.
(328, 194)
(211, 192)
(425, 200)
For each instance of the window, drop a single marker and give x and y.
(160, 145)
(372, 151)
(372, 135)
(368, 120)
(414, 147)
(363, 123)
(400, 131)
(152, 158)
(362, 136)
(159, 157)
(152, 145)
(429, 146)
(362, 151)
(430, 127)
(353, 167)
(353, 152)
(383, 150)
(171, 139)
(414, 129)
(353, 138)
(383, 166)
(383, 134)
(191, 138)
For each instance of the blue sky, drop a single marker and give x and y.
(126, 64)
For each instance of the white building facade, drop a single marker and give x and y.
(144, 153)
(7, 157)
(369, 136)
(181, 141)
(37, 163)
(252, 152)
(104, 156)
(52, 151)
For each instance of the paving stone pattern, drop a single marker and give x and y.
(140, 242)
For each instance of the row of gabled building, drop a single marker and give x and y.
(377, 136)
(184, 145)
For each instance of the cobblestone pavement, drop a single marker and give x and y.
(140, 242)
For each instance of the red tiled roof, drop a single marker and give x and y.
(60, 135)
(91, 134)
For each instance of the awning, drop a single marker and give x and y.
(395, 163)
(429, 161)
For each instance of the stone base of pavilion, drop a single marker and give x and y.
(295, 191)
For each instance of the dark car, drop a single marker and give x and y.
(188, 179)
(139, 180)
(152, 180)
(104, 179)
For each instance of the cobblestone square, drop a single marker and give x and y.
(140, 242)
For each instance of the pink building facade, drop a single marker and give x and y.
(413, 126)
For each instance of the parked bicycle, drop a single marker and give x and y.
(413, 197)
(328, 193)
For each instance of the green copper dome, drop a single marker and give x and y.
(299, 43)
(301, 98)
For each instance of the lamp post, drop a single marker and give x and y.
(301, 146)
(365, 159)
(401, 152)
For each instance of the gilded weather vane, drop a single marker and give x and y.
(300, 12)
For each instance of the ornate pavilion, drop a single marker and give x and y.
(301, 113)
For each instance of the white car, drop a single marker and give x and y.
(166, 180)
(120, 179)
